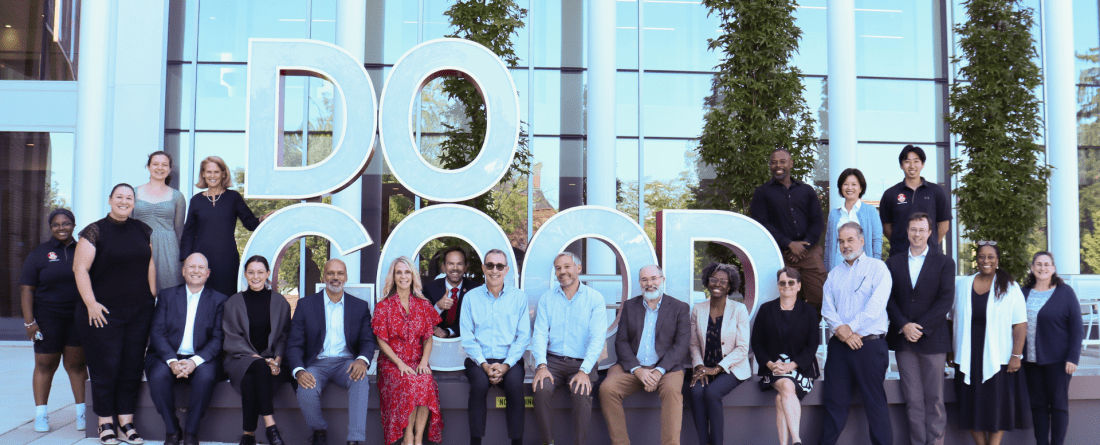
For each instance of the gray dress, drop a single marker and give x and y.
(166, 218)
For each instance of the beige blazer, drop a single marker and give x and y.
(735, 337)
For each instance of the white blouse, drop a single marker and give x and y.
(1000, 316)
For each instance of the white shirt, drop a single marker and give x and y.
(847, 216)
(1000, 315)
(916, 262)
(440, 310)
(187, 345)
(856, 295)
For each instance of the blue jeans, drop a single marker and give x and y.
(706, 407)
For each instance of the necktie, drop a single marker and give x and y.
(452, 313)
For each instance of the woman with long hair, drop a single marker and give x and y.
(163, 209)
(403, 323)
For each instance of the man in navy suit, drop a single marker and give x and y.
(331, 341)
(922, 293)
(446, 293)
(184, 346)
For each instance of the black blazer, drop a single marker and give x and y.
(769, 337)
(672, 338)
(170, 319)
(1058, 328)
(436, 289)
(307, 330)
(926, 305)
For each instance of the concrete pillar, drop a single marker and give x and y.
(93, 107)
(140, 67)
(600, 156)
(1061, 136)
(842, 89)
(351, 34)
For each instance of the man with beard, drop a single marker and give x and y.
(331, 341)
(447, 293)
(496, 329)
(652, 345)
(791, 212)
(856, 295)
(570, 325)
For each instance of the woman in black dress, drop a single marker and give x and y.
(784, 340)
(256, 323)
(211, 221)
(990, 320)
(115, 275)
(49, 299)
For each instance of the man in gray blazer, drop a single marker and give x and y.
(651, 345)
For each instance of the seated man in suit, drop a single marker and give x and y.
(652, 345)
(446, 293)
(184, 345)
(331, 341)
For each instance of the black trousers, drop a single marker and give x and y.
(257, 391)
(115, 354)
(513, 395)
(162, 390)
(847, 370)
(1048, 389)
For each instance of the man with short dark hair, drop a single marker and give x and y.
(923, 292)
(791, 211)
(912, 195)
(447, 293)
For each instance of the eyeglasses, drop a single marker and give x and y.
(498, 266)
(987, 243)
(718, 281)
(788, 283)
(919, 231)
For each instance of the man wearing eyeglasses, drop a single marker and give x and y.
(854, 306)
(923, 292)
(495, 330)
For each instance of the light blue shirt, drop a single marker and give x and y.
(495, 327)
(647, 346)
(334, 345)
(574, 328)
(856, 295)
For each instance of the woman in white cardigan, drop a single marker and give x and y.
(719, 350)
(990, 318)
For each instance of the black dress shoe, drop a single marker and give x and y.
(190, 439)
(172, 439)
(320, 437)
(353, 442)
(273, 436)
(248, 439)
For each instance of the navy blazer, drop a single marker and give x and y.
(170, 319)
(308, 327)
(1058, 328)
(770, 337)
(434, 291)
(671, 341)
(927, 304)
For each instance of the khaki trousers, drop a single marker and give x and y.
(812, 268)
(618, 384)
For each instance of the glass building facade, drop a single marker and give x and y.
(663, 74)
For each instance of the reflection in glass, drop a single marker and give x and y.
(37, 40)
(675, 36)
(626, 104)
(899, 110)
(813, 48)
(673, 104)
(626, 36)
(222, 91)
(1086, 40)
(672, 171)
(626, 177)
(401, 28)
(899, 38)
(225, 27)
(1088, 168)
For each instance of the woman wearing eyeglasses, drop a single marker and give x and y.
(719, 350)
(990, 320)
(784, 340)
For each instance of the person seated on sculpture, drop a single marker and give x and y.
(446, 293)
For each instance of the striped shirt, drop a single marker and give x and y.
(856, 295)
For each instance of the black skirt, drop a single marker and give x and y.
(997, 404)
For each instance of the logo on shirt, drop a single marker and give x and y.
(52, 256)
(901, 198)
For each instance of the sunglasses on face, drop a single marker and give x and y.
(498, 266)
(788, 283)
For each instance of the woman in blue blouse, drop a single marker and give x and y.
(851, 186)
(1053, 347)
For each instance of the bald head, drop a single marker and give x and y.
(195, 271)
(336, 274)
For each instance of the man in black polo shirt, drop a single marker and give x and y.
(910, 196)
(791, 212)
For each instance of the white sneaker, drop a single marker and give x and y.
(42, 423)
(81, 424)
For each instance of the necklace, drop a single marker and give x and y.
(214, 199)
(785, 308)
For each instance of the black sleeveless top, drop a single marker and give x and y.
(120, 270)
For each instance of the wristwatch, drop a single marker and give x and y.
(1019, 356)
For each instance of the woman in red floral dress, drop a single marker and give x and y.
(403, 323)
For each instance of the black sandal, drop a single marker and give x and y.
(131, 434)
(108, 439)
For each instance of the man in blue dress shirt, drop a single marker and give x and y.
(495, 332)
(570, 325)
(854, 305)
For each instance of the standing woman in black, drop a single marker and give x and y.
(115, 275)
(49, 301)
(211, 220)
(1053, 348)
(256, 324)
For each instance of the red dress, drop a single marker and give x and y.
(406, 334)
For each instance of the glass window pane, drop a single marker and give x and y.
(626, 35)
(559, 102)
(626, 177)
(401, 29)
(1088, 129)
(225, 27)
(178, 96)
(879, 164)
(228, 146)
(324, 21)
(671, 173)
(815, 94)
(546, 170)
(519, 77)
(181, 30)
(675, 36)
(222, 91)
(177, 143)
(1088, 165)
(626, 101)
(437, 25)
(1086, 40)
(674, 104)
(898, 38)
(899, 110)
(813, 49)
(548, 24)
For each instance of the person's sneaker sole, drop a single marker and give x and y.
(81, 423)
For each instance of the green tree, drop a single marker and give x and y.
(1088, 161)
(1003, 181)
(757, 103)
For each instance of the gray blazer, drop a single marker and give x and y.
(238, 348)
